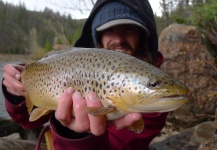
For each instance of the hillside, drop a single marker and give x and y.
(22, 31)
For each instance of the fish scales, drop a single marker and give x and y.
(120, 80)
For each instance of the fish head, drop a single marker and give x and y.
(157, 92)
(161, 94)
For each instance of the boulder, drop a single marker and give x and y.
(9, 127)
(18, 144)
(200, 137)
(14, 137)
(189, 59)
(211, 144)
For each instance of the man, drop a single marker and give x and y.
(123, 25)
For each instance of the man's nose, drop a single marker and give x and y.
(118, 37)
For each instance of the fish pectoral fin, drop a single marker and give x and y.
(137, 127)
(37, 113)
(97, 111)
(28, 103)
(118, 102)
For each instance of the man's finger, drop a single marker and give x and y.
(97, 123)
(64, 109)
(127, 120)
(81, 118)
(11, 70)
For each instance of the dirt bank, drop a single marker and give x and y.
(13, 57)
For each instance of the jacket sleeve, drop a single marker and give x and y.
(64, 138)
(16, 108)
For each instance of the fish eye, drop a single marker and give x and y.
(153, 84)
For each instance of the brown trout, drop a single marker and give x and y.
(123, 83)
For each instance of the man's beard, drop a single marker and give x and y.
(125, 48)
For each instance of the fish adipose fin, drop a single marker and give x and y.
(97, 111)
(137, 127)
(37, 113)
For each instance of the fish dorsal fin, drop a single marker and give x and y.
(97, 111)
(60, 47)
(137, 127)
(27, 62)
(57, 49)
(37, 113)
(28, 103)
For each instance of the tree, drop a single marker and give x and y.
(205, 17)
(82, 6)
(17, 25)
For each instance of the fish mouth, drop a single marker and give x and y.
(173, 97)
(171, 103)
(163, 104)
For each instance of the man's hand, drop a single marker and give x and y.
(83, 122)
(12, 79)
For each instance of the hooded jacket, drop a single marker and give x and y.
(144, 10)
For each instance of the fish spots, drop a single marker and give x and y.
(109, 63)
(113, 68)
(84, 65)
(172, 82)
(139, 92)
(90, 60)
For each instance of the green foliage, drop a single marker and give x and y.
(76, 34)
(200, 13)
(205, 14)
(160, 24)
(17, 23)
(48, 46)
(36, 51)
(205, 17)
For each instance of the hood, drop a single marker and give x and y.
(144, 10)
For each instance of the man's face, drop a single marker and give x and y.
(124, 38)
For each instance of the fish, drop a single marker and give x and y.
(123, 83)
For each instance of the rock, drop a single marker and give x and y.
(8, 127)
(14, 136)
(189, 60)
(189, 139)
(211, 144)
(16, 144)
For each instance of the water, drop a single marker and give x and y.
(3, 113)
